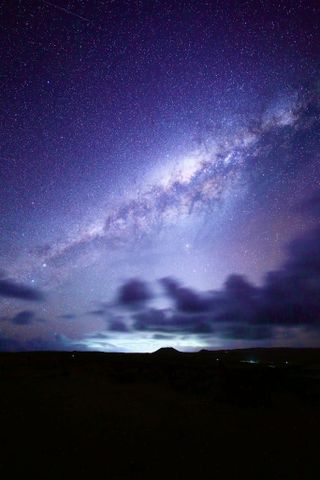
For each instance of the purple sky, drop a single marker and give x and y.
(143, 140)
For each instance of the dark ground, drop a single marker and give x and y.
(164, 415)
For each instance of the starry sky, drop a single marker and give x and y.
(159, 174)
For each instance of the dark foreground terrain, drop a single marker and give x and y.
(165, 415)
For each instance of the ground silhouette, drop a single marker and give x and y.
(232, 414)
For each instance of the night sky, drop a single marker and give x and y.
(159, 174)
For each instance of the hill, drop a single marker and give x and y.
(166, 351)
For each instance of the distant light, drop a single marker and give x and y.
(249, 361)
(44, 265)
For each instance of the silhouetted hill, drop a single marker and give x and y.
(166, 351)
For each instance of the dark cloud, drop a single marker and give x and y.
(238, 287)
(16, 290)
(133, 293)
(304, 256)
(118, 326)
(152, 320)
(246, 332)
(98, 336)
(68, 316)
(169, 321)
(26, 317)
(167, 324)
(186, 299)
(161, 336)
(54, 342)
(288, 297)
(98, 312)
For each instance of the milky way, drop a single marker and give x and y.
(188, 187)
